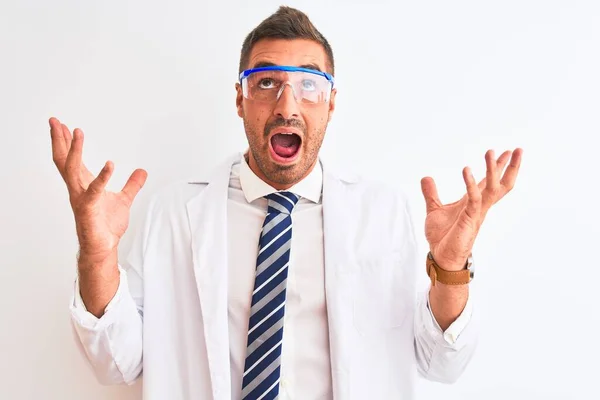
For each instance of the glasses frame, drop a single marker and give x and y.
(286, 68)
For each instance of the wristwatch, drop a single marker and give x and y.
(437, 274)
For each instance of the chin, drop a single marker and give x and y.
(285, 174)
(282, 172)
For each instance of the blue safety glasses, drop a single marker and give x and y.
(266, 84)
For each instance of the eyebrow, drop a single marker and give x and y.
(261, 64)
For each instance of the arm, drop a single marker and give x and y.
(447, 302)
(441, 354)
(111, 338)
(104, 315)
(451, 231)
(98, 281)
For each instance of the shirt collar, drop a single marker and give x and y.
(254, 187)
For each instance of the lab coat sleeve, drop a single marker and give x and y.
(112, 344)
(442, 356)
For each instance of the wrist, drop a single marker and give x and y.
(460, 276)
(98, 282)
(103, 261)
(450, 263)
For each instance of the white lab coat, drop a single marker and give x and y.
(169, 317)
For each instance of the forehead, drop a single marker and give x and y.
(295, 52)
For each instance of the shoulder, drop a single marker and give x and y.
(369, 189)
(177, 194)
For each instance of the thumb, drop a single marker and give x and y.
(430, 193)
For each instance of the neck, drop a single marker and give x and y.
(279, 186)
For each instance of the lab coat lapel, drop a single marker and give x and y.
(207, 215)
(338, 278)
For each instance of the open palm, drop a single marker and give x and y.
(101, 216)
(451, 229)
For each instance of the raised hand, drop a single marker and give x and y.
(451, 229)
(101, 217)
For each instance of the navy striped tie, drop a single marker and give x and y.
(265, 329)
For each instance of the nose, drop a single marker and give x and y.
(286, 105)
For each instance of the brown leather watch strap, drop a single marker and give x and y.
(437, 274)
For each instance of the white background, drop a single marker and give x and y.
(425, 88)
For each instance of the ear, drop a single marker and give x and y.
(239, 98)
(331, 104)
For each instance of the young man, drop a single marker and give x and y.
(275, 277)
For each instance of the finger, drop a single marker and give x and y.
(59, 150)
(502, 160)
(73, 163)
(134, 184)
(473, 207)
(97, 186)
(430, 193)
(491, 176)
(85, 175)
(500, 164)
(510, 176)
(481, 185)
(492, 184)
(67, 137)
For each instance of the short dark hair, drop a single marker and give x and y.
(286, 23)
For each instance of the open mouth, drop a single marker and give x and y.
(285, 146)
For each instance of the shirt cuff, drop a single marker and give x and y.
(453, 332)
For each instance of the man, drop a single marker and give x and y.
(275, 277)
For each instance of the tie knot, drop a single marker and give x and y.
(282, 202)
